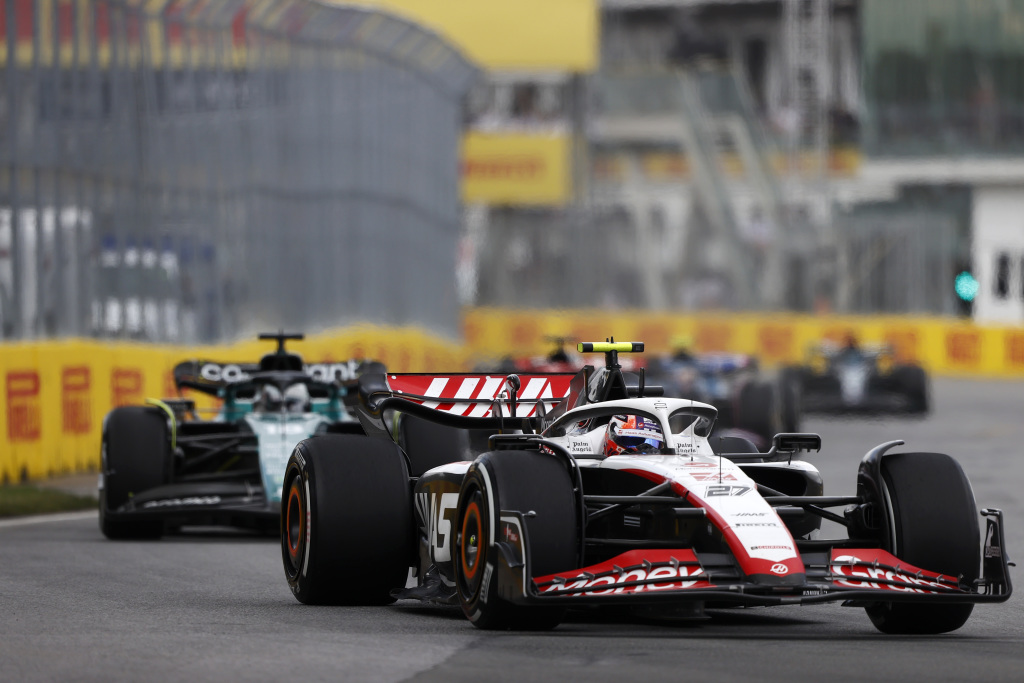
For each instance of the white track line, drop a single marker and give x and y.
(42, 519)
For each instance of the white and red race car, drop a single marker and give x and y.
(595, 490)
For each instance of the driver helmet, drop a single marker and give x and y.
(629, 434)
(297, 399)
(270, 399)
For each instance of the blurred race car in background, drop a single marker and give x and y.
(164, 467)
(559, 359)
(595, 493)
(850, 378)
(748, 405)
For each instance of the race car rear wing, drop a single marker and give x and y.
(209, 377)
(526, 402)
(467, 400)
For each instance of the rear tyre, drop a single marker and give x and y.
(912, 382)
(758, 410)
(136, 456)
(523, 481)
(934, 527)
(429, 444)
(789, 399)
(346, 520)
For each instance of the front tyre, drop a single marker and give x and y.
(532, 483)
(135, 457)
(933, 526)
(346, 520)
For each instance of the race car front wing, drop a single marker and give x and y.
(855, 576)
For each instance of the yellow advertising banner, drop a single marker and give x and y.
(942, 346)
(511, 35)
(516, 169)
(54, 395)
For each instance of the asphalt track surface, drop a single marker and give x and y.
(215, 606)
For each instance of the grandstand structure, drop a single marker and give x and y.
(854, 156)
(732, 121)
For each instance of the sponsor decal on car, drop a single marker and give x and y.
(176, 502)
(636, 571)
(885, 572)
(714, 476)
(577, 446)
(438, 512)
(215, 372)
(630, 581)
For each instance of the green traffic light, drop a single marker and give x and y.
(966, 286)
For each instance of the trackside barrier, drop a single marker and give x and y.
(55, 394)
(943, 346)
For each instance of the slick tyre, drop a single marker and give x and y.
(346, 520)
(758, 410)
(933, 526)
(429, 444)
(526, 482)
(912, 382)
(790, 399)
(135, 456)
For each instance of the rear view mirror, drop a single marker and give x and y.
(794, 442)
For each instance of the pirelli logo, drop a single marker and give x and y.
(963, 348)
(126, 386)
(714, 337)
(905, 344)
(775, 341)
(1014, 342)
(76, 409)
(24, 414)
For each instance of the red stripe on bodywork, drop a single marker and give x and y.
(415, 385)
(864, 567)
(678, 568)
(749, 565)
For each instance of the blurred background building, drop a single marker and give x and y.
(850, 156)
(197, 170)
(187, 170)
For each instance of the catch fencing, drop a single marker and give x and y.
(193, 171)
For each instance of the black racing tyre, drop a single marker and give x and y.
(912, 382)
(934, 526)
(790, 396)
(732, 444)
(758, 410)
(524, 481)
(429, 444)
(346, 520)
(136, 456)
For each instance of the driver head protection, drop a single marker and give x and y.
(629, 434)
(269, 399)
(297, 399)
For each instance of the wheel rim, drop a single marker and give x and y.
(472, 546)
(295, 524)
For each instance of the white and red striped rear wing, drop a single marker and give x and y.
(475, 395)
